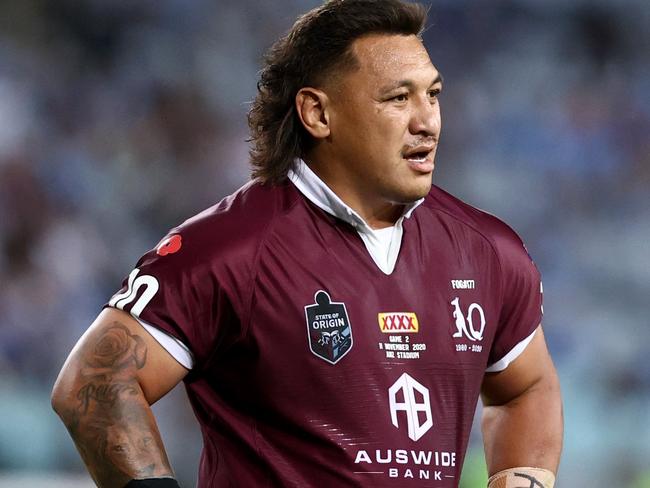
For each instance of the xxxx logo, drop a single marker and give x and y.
(398, 322)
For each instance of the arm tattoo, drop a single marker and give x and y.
(103, 393)
(111, 423)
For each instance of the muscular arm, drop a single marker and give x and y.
(103, 395)
(522, 419)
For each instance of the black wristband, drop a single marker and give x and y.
(153, 483)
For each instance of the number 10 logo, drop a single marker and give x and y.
(466, 326)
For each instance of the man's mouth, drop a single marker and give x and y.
(420, 158)
(417, 157)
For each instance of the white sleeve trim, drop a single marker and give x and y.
(179, 351)
(514, 353)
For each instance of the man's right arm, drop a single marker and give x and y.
(103, 395)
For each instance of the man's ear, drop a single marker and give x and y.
(312, 106)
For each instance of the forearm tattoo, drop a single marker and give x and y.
(111, 422)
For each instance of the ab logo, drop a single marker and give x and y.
(135, 282)
(415, 401)
(465, 326)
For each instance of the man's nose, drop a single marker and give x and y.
(425, 119)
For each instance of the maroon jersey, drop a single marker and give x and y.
(312, 367)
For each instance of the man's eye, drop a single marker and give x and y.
(402, 97)
(434, 93)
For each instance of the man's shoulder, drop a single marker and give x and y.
(254, 203)
(500, 235)
(235, 226)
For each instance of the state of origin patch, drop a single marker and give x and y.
(328, 328)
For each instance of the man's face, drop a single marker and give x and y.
(385, 120)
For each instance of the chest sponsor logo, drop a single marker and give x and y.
(328, 328)
(407, 463)
(411, 399)
(471, 324)
(398, 322)
(410, 407)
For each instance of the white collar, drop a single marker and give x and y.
(321, 195)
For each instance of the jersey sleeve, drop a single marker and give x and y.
(521, 305)
(175, 289)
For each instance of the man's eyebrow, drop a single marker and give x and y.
(408, 84)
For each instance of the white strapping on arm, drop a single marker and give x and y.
(514, 477)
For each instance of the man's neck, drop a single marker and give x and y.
(377, 212)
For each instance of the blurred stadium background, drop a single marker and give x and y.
(120, 119)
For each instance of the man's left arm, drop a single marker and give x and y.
(522, 420)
